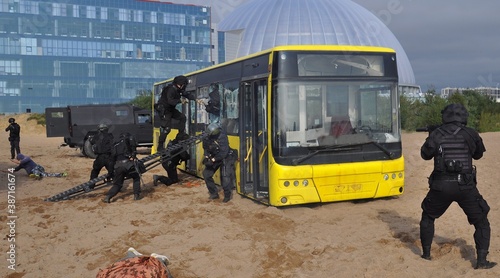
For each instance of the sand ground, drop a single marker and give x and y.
(371, 238)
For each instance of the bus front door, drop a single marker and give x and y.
(253, 140)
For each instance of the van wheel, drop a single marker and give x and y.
(87, 150)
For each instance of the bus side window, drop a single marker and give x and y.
(232, 127)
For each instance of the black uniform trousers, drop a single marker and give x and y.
(468, 198)
(122, 170)
(102, 160)
(228, 172)
(166, 124)
(14, 147)
(170, 167)
(208, 176)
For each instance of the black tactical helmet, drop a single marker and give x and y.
(102, 127)
(454, 112)
(12, 120)
(213, 129)
(180, 80)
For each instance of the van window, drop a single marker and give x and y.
(121, 113)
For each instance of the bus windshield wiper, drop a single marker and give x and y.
(390, 154)
(345, 147)
(338, 148)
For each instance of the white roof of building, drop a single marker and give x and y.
(263, 24)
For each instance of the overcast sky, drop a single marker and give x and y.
(450, 43)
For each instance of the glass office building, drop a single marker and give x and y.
(69, 52)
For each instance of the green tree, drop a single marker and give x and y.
(484, 112)
(143, 100)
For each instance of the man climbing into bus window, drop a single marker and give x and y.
(453, 146)
(124, 153)
(170, 164)
(216, 150)
(102, 145)
(14, 130)
(171, 95)
(212, 104)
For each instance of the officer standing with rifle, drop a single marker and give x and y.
(216, 149)
(124, 153)
(453, 146)
(14, 137)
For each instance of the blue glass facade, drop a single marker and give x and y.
(57, 53)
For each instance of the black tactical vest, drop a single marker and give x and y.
(103, 143)
(454, 155)
(125, 148)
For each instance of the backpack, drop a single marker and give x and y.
(453, 154)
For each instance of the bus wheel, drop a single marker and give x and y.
(87, 149)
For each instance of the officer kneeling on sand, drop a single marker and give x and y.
(126, 165)
(453, 146)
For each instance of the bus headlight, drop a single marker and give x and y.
(393, 175)
(305, 182)
(386, 177)
(286, 184)
(296, 183)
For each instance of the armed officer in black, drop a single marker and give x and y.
(102, 144)
(216, 149)
(124, 153)
(453, 146)
(171, 95)
(14, 130)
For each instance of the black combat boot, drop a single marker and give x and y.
(107, 200)
(155, 180)
(482, 263)
(426, 252)
(213, 196)
(137, 197)
(227, 197)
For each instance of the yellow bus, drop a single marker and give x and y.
(312, 123)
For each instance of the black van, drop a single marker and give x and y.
(77, 124)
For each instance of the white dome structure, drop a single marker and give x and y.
(261, 24)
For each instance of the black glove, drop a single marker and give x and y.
(208, 162)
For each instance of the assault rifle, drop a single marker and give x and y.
(149, 163)
(429, 128)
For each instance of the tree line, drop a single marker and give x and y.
(484, 112)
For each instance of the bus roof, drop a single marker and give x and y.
(354, 48)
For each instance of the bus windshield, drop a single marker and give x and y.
(325, 114)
